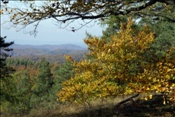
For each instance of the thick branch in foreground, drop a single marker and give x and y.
(127, 100)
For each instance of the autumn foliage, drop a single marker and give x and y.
(118, 68)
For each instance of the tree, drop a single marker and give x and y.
(117, 68)
(22, 92)
(4, 53)
(113, 26)
(63, 73)
(42, 85)
(5, 71)
(164, 38)
(67, 11)
(164, 35)
(44, 79)
(164, 41)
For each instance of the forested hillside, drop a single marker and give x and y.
(52, 53)
(31, 50)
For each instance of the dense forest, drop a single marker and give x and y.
(128, 71)
(36, 76)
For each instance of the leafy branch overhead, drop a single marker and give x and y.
(67, 11)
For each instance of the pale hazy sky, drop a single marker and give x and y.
(49, 33)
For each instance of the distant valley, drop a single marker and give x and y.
(52, 53)
(30, 50)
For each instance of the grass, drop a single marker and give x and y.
(111, 107)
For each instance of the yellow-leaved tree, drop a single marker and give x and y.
(117, 68)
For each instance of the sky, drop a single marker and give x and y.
(48, 33)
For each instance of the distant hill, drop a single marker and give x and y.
(32, 50)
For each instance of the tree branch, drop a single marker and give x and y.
(126, 100)
(62, 11)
